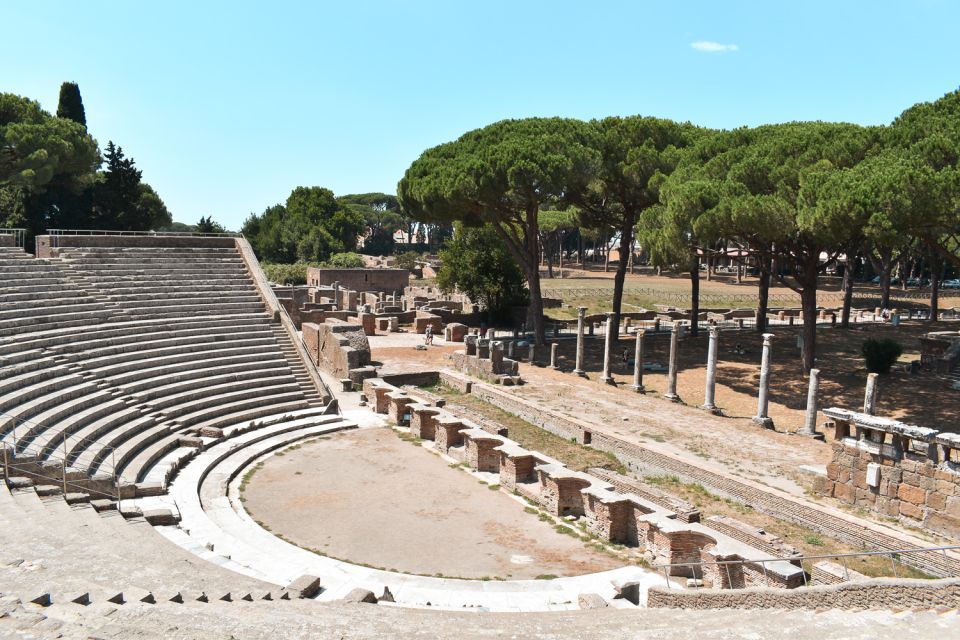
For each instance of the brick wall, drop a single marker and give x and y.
(386, 280)
(872, 594)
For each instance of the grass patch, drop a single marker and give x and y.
(546, 576)
(813, 540)
(568, 451)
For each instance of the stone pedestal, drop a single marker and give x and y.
(809, 427)
(611, 331)
(762, 399)
(638, 363)
(532, 353)
(581, 315)
(671, 393)
(553, 356)
(711, 384)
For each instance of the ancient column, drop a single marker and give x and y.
(809, 427)
(870, 397)
(532, 353)
(611, 331)
(638, 363)
(710, 393)
(553, 356)
(581, 316)
(762, 400)
(671, 393)
(510, 347)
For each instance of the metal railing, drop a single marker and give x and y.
(19, 235)
(56, 234)
(696, 569)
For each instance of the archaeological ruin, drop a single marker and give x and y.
(147, 378)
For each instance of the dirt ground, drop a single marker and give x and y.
(368, 497)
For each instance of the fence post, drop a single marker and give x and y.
(665, 576)
(64, 467)
(893, 564)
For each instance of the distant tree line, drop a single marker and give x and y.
(53, 174)
(797, 195)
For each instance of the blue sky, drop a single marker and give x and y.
(227, 106)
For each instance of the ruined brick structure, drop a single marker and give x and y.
(385, 280)
(339, 347)
(895, 469)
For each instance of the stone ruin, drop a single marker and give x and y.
(610, 514)
(340, 348)
(895, 469)
(483, 358)
(940, 351)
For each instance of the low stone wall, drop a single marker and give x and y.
(338, 347)
(872, 594)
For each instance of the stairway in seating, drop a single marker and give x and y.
(297, 366)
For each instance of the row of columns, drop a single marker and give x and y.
(763, 418)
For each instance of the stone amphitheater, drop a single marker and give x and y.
(142, 375)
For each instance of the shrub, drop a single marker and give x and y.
(880, 354)
(407, 260)
(345, 261)
(286, 274)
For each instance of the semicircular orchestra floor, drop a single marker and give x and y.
(370, 498)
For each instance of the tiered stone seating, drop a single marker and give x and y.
(112, 358)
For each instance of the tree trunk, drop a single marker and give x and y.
(626, 238)
(763, 295)
(694, 294)
(606, 253)
(936, 270)
(847, 291)
(885, 286)
(808, 302)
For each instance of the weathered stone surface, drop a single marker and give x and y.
(591, 601)
(359, 595)
(306, 586)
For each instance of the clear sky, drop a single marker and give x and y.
(227, 106)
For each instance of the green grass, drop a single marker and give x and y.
(568, 451)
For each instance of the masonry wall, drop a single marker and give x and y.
(337, 347)
(912, 488)
(872, 594)
(386, 280)
(7, 241)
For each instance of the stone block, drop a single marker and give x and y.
(455, 332)
(911, 494)
(361, 595)
(306, 586)
(161, 517)
(937, 500)
(591, 601)
(833, 471)
(910, 510)
(843, 493)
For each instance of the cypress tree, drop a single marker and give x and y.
(71, 104)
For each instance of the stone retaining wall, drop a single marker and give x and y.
(895, 469)
(879, 593)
